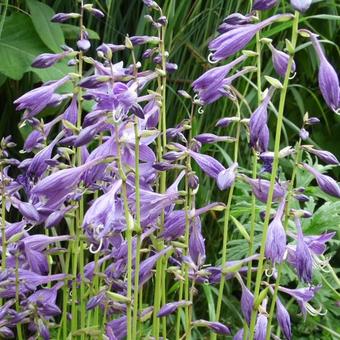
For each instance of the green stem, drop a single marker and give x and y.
(273, 175)
(128, 235)
(138, 230)
(287, 209)
(226, 226)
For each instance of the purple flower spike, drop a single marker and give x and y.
(280, 61)
(283, 319)
(303, 257)
(276, 239)
(235, 40)
(301, 5)
(216, 327)
(227, 177)
(261, 327)
(259, 133)
(171, 307)
(328, 78)
(326, 183)
(262, 5)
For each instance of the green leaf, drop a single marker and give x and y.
(18, 46)
(50, 33)
(71, 32)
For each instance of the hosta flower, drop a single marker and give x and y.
(247, 300)
(259, 132)
(171, 307)
(227, 177)
(71, 113)
(47, 59)
(280, 61)
(262, 5)
(36, 100)
(196, 242)
(276, 237)
(61, 17)
(328, 78)
(261, 327)
(324, 155)
(234, 20)
(233, 41)
(209, 86)
(301, 5)
(140, 40)
(208, 164)
(325, 183)
(216, 327)
(83, 45)
(283, 319)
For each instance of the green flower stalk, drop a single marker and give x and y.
(260, 269)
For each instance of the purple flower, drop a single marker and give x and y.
(328, 78)
(280, 61)
(224, 122)
(247, 301)
(261, 327)
(301, 5)
(71, 113)
(283, 319)
(36, 100)
(140, 40)
(324, 155)
(29, 211)
(262, 5)
(47, 59)
(303, 257)
(210, 138)
(259, 132)
(276, 239)
(239, 334)
(302, 296)
(210, 85)
(260, 189)
(227, 177)
(233, 41)
(215, 326)
(208, 164)
(171, 307)
(316, 244)
(326, 183)
(84, 45)
(61, 17)
(303, 134)
(196, 242)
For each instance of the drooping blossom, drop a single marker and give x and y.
(262, 5)
(301, 5)
(280, 61)
(283, 319)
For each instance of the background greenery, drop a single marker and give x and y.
(26, 31)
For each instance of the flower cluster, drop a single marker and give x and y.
(107, 199)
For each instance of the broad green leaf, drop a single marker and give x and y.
(50, 33)
(18, 46)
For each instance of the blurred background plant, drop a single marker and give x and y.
(26, 31)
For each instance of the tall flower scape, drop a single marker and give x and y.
(110, 243)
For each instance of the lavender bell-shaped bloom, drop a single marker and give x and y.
(283, 319)
(301, 5)
(233, 41)
(325, 183)
(29, 211)
(276, 239)
(328, 78)
(280, 61)
(316, 244)
(262, 5)
(261, 327)
(227, 177)
(303, 257)
(71, 113)
(210, 84)
(215, 326)
(196, 242)
(36, 100)
(171, 307)
(46, 60)
(259, 133)
(247, 301)
(303, 134)
(324, 155)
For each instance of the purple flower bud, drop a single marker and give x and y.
(47, 59)
(196, 242)
(162, 20)
(150, 3)
(261, 327)
(224, 122)
(193, 181)
(71, 113)
(262, 5)
(312, 121)
(140, 40)
(148, 53)
(283, 319)
(163, 166)
(301, 5)
(97, 13)
(325, 156)
(216, 327)
(210, 138)
(61, 17)
(280, 61)
(259, 133)
(247, 302)
(235, 40)
(304, 134)
(6, 333)
(208, 164)
(171, 307)
(325, 183)
(276, 239)
(84, 45)
(301, 198)
(171, 67)
(328, 78)
(239, 334)
(94, 82)
(226, 178)
(29, 211)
